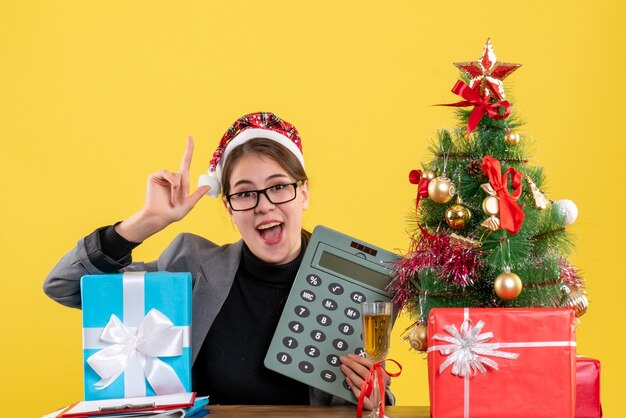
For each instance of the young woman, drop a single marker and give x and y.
(240, 288)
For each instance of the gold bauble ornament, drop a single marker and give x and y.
(511, 137)
(428, 174)
(491, 205)
(507, 285)
(418, 338)
(441, 189)
(458, 216)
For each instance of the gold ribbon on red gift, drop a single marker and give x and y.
(511, 214)
(375, 374)
(482, 105)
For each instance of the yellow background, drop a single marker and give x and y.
(94, 96)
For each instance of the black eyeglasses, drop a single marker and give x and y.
(249, 199)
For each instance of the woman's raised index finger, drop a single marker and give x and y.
(185, 164)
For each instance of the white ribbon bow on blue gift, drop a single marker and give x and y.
(155, 337)
(467, 349)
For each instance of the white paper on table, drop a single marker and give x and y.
(156, 404)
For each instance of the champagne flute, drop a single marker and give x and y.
(376, 339)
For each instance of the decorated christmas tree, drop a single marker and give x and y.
(484, 233)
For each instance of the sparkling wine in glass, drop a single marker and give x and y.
(377, 325)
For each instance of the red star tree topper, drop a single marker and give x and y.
(487, 73)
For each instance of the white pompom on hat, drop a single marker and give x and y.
(254, 125)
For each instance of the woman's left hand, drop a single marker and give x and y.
(356, 369)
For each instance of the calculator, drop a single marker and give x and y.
(321, 320)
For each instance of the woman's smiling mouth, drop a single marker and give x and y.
(270, 232)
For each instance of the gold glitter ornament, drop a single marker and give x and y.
(458, 216)
(418, 338)
(507, 285)
(540, 199)
(464, 242)
(511, 137)
(428, 174)
(441, 189)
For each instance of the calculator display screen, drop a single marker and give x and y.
(353, 270)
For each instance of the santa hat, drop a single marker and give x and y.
(255, 125)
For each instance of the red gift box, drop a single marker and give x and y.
(501, 362)
(588, 388)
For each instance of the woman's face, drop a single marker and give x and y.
(272, 232)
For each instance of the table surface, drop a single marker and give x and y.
(245, 411)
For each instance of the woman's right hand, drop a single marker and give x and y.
(167, 201)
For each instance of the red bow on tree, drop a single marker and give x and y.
(511, 214)
(481, 105)
(415, 177)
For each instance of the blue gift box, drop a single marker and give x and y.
(136, 334)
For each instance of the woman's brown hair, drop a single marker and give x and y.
(266, 148)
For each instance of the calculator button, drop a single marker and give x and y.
(357, 297)
(346, 329)
(329, 304)
(283, 358)
(360, 352)
(351, 313)
(318, 335)
(296, 327)
(313, 280)
(302, 311)
(290, 342)
(307, 295)
(345, 385)
(312, 351)
(324, 320)
(333, 359)
(335, 289)
(306, 367)
(328, 376)
(340, 344)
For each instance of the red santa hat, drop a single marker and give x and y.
(254, 125)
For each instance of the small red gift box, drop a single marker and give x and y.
(588, 388)
(501, 362)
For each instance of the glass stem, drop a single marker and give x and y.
(375, 398)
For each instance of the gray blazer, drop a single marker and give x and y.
(213, 271)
